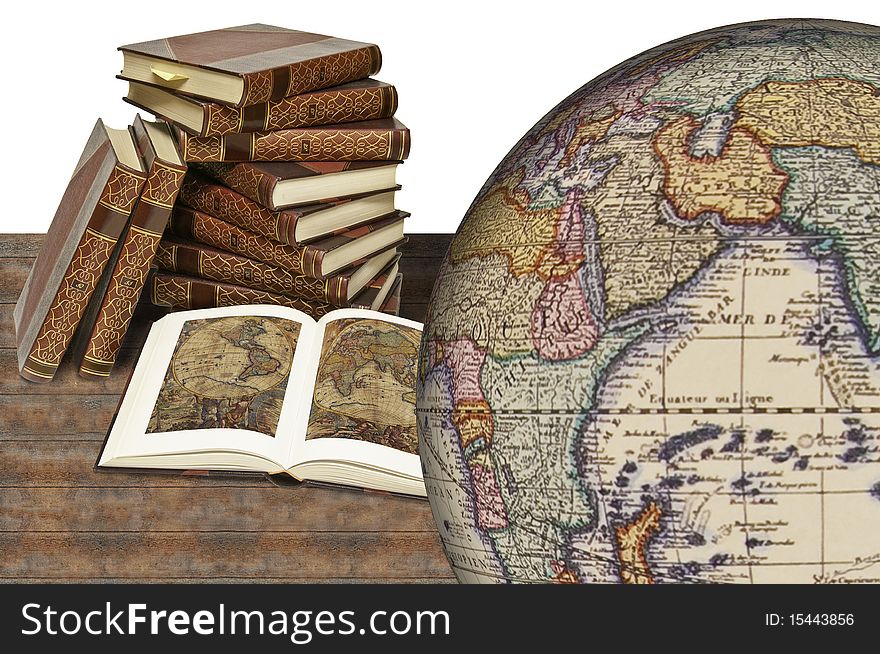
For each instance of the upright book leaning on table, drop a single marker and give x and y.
(262, 388)
(91, 216)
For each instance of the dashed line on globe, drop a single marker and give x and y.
(658, 411)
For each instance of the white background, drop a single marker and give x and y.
(472, 76)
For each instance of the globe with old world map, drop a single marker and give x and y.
(652, 354)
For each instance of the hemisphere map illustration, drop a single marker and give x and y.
(229, 372)
(365, 387)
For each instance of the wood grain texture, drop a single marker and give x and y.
(163, 509)
(60, 520)
(20, 245)
(48, 414)
(68, 463)
(151, 556)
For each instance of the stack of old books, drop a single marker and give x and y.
(269, 178)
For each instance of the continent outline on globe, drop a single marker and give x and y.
(651, 354)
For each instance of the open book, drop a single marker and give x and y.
(268, 389)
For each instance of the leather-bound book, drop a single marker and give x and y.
(293, 226)
(110, 310)
(184, 292)
(376, 292)
(90, 218)
(280, 184)
(367, 99)
(197, 260)
(392, 302)
(318, 260)
(369, 140)
(249, 64)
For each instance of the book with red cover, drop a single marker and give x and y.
(318, 260)
(249, 64)
(280, 184)
(92, 213)
(112, 306)
(293, 226)
(197, 260)
(369, 140)
(367, 99)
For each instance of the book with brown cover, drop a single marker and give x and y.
(112, 306)
(93, 212)
(259, 63)
(197, 260)
(391, 305)
(368, 140)
(306, 260)
(285, 226)
(184, 292)
(258, 180)
(376, 292)
(366, 99)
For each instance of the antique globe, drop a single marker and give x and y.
(652, 354)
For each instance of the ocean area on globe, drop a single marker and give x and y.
(653, 351)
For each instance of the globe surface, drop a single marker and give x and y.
(653, 350)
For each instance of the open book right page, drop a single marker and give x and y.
(362, 425)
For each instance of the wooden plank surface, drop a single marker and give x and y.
(62, 521)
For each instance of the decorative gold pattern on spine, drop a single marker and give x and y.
(226, 204)
(332, 70)
(244, 179)
(130, 271)
(220, 119)
(311, 145)
(241, 271)
(166, 255)
(162, 185)
(258, 87)
(326, 108)
(201, 149)
(171, 291)
(168, 291)
(73, 295)
(122, 190)
(225, 236)
(126, 282)
(322, 145)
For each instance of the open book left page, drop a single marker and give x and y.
(217, 389)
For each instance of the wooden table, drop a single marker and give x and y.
(61, 521)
